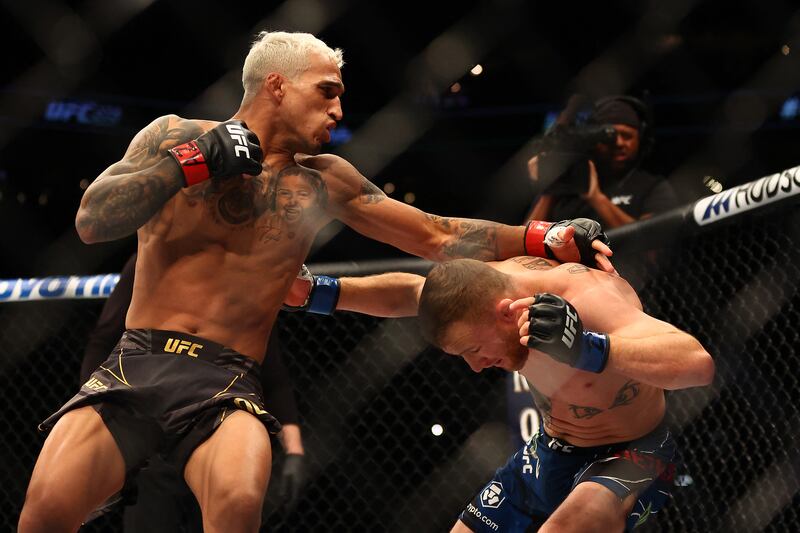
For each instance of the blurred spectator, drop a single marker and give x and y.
(161, 500)
(611, 187)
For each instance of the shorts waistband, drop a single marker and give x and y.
(179, 343)
(562, 446)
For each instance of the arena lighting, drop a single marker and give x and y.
(409, 197)
(785, 49)
(388, 187)
(477, 70)
(437, 430)
(340, 135)
(456, 87)
(713, 184)
(83, 112)
(790, 108)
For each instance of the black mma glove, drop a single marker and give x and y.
(322, 293)
(293, 477)
(540, 236)
(229, 149)
(586, 231)
(556, 329)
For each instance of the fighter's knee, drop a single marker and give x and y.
(240, 505)
(46, 514)
(591, 508)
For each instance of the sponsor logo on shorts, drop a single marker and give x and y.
(471, 509)
(95, 384)
(492, 496)
(529, 452)
(556, 444)
(180, 346)
(248, 406)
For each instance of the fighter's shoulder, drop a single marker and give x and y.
(173, 127)
(340, 176)
(328, 164)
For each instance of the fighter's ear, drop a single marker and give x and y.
(503, 311)
(274, 85)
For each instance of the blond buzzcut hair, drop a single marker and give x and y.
(285, 53)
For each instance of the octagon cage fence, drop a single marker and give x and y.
(370, 390)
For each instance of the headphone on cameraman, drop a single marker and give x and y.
(642, 110)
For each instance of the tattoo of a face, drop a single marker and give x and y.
(533, 263)
(371, 193)
(626, 394)
(581, 411)
(577, 269)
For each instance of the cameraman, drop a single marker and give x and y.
(613, 190)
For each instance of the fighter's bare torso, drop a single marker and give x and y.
(584, 408)
(218, 258)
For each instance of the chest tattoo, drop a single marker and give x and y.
(626, 394)
(582, 411)
(277, 204)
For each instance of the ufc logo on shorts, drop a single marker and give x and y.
(248, 406)
(179, 346)
(569, 328)
(237, 134)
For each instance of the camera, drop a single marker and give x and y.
(564, 153)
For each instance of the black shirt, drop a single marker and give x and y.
(637, 193)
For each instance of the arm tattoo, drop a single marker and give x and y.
(121, 209)
(533, 263)
(146, 148)
(136, 188)
(472, 239)
(580, 411)
(626, 394)
(577, 269)
(370, 193)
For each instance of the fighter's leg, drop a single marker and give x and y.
(590, 507)
(460, 527)
(79, 467)
(229, 473)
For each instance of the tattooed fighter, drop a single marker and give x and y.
(225, 217)
(597, 366)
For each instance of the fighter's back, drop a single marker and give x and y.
(586, 408)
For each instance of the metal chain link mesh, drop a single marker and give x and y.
(369, 391)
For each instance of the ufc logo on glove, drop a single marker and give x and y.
(237, 134)
(569, 328)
